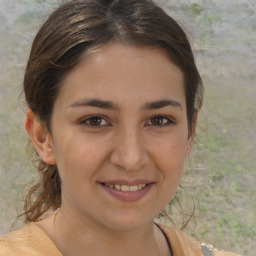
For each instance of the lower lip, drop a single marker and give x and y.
(128, 196)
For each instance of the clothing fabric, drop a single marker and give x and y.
(31, 240)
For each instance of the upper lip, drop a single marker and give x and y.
(127, 182)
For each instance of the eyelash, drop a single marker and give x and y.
(165, 121)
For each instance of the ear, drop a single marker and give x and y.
(40, 137)
(192, 133)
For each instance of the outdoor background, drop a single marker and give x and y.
(221, 173)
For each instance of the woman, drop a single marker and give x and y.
(113, 95)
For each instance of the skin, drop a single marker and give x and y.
(130, 139)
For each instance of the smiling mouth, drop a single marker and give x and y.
(127, 191)
(126, 188)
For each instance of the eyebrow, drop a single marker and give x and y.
(161, 104)
(112, 106)
(95, 103)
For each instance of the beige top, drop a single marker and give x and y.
(31, 240)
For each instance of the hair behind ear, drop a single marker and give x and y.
(192, 132)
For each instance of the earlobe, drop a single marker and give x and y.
(40, 137)
(192, 134)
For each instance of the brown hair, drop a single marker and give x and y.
(76, 28)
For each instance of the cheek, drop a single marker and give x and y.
(79, 158)
(170, 163)
(170, 157)
(173, 148)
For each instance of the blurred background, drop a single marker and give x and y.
(221, 173)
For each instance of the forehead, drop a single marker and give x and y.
(119, 71)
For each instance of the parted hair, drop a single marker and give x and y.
(75, 29)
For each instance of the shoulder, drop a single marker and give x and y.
(29, 240)
(183, 244)
(11, 242)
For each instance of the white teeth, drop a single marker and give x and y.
(133, 188)
(118, 187)
(140, 186)
(126, 187)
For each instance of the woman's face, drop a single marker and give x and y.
(120, 136)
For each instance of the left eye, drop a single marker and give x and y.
(159, 121)
(95, 121)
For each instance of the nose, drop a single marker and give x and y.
(129, 152)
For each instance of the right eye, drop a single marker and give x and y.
(94, 121)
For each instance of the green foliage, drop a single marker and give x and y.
(194, 9)
(210, 18)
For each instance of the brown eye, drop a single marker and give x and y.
(95, 121)
(158, 120)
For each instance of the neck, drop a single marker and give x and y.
(75, 237)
